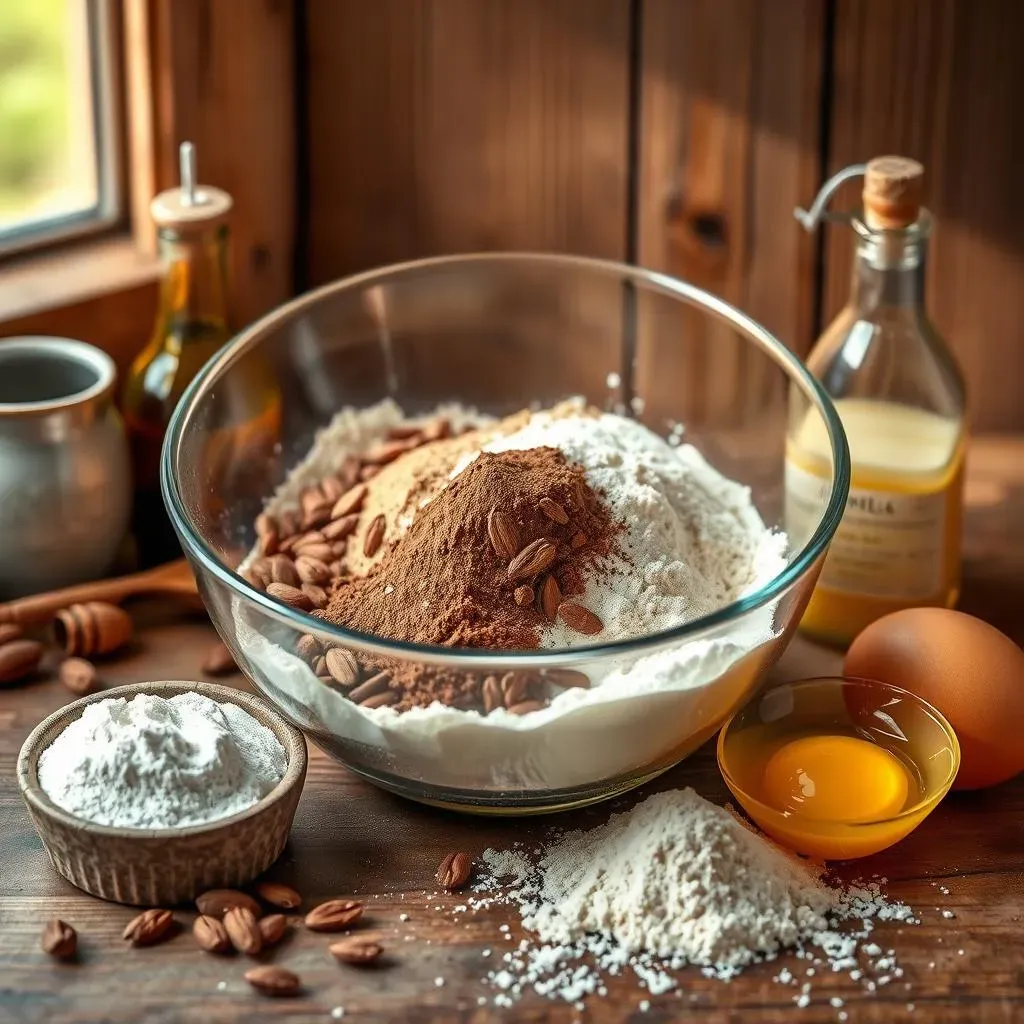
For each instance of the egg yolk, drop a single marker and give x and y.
(836, 778)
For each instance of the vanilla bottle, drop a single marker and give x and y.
(900, 396)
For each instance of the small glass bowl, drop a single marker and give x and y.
(887, 716)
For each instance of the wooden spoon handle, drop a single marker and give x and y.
(173, 578)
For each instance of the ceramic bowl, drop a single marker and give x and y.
(163, 867)
(894, 719)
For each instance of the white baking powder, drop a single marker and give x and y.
(155, 763)
(693, 541)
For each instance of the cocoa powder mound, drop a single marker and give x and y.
(444, 583)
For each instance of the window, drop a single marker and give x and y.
(58, 140)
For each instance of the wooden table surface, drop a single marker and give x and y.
(350, 839)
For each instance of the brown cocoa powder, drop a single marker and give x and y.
(443, 582)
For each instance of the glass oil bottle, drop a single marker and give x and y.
(192, 323)
(900, 396)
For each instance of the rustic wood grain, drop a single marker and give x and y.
(351, 840)
(223, 74)
(730, 104)
(453, 125)
(941, 80)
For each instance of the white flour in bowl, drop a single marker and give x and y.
(693, 542)
(154, 763)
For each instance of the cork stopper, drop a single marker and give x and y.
(190, 207)
(893, 189)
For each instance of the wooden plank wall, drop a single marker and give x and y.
(453, 125)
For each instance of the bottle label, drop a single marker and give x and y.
(888, 545)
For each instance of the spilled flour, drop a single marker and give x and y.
(675, 882)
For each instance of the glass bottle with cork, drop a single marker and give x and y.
(901, 398)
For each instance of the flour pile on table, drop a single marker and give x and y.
(676, 881)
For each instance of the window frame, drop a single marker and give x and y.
(106, 60)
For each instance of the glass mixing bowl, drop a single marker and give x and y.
(499, 333)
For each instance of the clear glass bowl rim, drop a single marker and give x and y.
(897, 691)
(690, 295)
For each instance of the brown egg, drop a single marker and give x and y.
(964, 667)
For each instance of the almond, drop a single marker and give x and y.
(312, 538)
(503, 534)
(282, 570)
(492, 695)
(524, 596)
(341, 528)
(437, 429)
(243, 930)
(217, 902)
(210, 934)
(60, 940)
(453, 872)
(288, 523)
(356, 949)
(268, 543)
(312, 570)
(308, 647)
(567, 678)
(351, 501)
(272, 980)
(18, 658)
(334, 916)
(532, 560)
(272, 928)
(380, 700)
(526, 706)
(279, 895)
(553, 511)
(291, 596)
(348, 474)
(332, 489)
(78, 675)
(580, 619)
(374, 536)
(218, 661)
(578, 541)
(265, 523)
(388, 451)
(320, 550)
(404, 431)
(581, 492)
(253, 578)
(514, 687)
(342, 666)
(550, 598)
(372, 687)
(10, 631)
(149, 928)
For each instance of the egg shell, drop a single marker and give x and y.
(967, 669)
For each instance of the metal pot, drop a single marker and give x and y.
(65, 489)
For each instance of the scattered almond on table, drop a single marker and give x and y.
(272, 928)
(211, 934)
(243, 930)
(272, 980)
(279, 895)
(60, 940)
(454, 871)
(78, 675)
(356, 949)
(149, 928)
(334, 916)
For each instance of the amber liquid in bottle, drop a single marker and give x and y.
(191, 325)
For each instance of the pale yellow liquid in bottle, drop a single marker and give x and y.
(900, 540)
